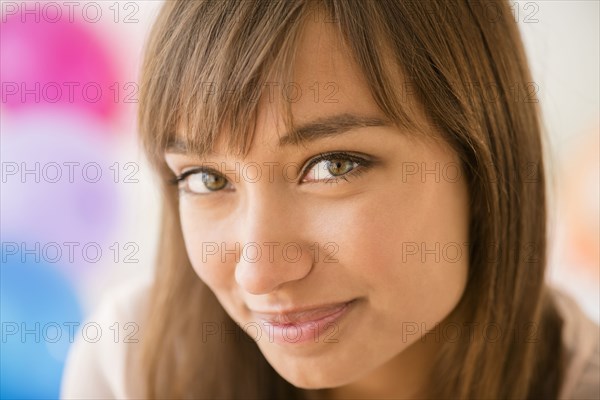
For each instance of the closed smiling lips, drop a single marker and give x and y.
(298, 316)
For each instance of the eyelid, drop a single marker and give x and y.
(363, 160)
(184, 174)
(178, 178)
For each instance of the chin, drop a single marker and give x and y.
(313, 382)
(312, 377)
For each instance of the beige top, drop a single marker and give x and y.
(102, 369)
(582, 338)
(97, 370)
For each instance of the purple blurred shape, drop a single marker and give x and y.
(51, 189)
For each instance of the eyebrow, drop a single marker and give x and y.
(329, 126)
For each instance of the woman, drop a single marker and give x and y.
(354, 207)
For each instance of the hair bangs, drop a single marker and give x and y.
(214, 91)
(228, 54)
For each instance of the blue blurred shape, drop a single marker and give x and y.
(40, 316)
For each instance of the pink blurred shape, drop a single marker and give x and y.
(56, 64)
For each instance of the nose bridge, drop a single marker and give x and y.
(272, 250)
(267, 215)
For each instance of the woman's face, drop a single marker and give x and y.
(334, 265)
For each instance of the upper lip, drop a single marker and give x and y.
(299, 315)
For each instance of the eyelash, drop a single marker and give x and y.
(363, 164)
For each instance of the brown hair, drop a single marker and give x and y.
(465, 63)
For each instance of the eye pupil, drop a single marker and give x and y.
(203, 182)
(339, 167)
(213, 182)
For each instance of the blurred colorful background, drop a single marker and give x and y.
(79, 208)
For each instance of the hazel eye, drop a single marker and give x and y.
(198, 181)
(205, 182)
(331, 169)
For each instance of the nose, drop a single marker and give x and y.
(273, 252)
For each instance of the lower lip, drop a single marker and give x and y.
(323, 330)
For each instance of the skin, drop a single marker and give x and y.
(374, 219)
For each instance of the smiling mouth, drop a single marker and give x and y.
(302, 326)
(301, 316)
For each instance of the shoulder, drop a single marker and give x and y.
(581, 337)
(99, 364)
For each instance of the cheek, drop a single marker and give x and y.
(207, 246)
(408, 246)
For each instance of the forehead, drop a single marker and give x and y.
(325, 82)
(330, 79)
(317, 78)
